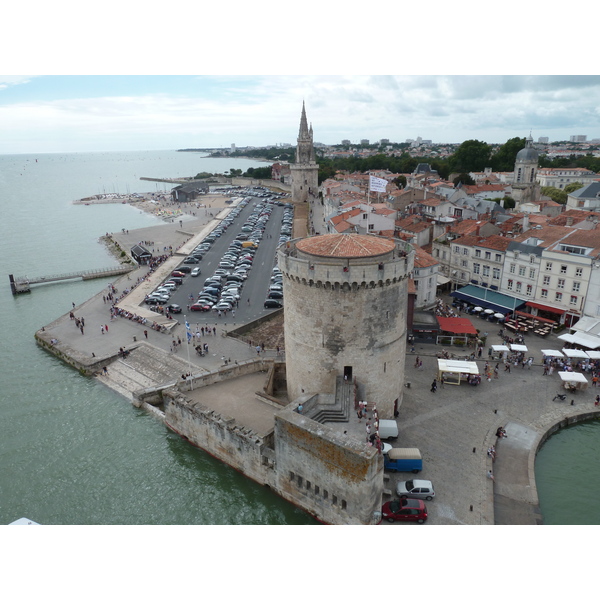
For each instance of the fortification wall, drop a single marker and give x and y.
(223, 438)
(334, 477)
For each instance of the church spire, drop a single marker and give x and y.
(304, 133)
(305, 152)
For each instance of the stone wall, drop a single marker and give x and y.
(335, 478)
(223, 438)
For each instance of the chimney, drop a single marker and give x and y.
(525, 222)
(569, 221)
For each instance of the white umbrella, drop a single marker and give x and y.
(488, 311)
(499, 316)
(477, 308)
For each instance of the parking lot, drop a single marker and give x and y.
(236, 263)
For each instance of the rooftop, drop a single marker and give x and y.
(345, 245)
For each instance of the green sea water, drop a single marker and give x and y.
(72, 451)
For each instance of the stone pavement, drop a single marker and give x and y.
(455, 426)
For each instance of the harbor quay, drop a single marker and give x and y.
(453, 427)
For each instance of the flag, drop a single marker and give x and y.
(376, 184)
(188, 332)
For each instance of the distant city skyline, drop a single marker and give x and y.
(86, 113)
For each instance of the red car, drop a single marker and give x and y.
(404, 509)
(199, 306)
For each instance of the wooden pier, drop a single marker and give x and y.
(20, 285)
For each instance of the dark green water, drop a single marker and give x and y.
(567, 473)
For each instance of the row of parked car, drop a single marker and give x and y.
(410, 505)
(221, 291)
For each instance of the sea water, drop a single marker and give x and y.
(72, 451)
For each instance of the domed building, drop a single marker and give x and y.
(525, 187)
(345, 315)
(526, 163)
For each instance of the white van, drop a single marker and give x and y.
(388, 429)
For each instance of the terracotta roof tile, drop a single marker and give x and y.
(345, 245)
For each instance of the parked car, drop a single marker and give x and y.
(200, 306)
(174, 308)
(404, 509)
(184, 268)
(191, 260)
(196, 272)
(273, 304)
(275, 295)
(415, 488)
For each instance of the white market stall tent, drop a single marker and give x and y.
(573, 381)
(455, 371)
(573, 353)
(518, 348)
(555, 353)
(500, 351)
(593, 354)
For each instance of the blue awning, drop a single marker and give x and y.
(487, 298)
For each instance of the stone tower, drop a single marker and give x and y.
(305, 182)
(525, 187)
(345, 314)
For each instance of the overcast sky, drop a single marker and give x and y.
(64, 112)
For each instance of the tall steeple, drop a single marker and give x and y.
(305, 152)
(305, 170)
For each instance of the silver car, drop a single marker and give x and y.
(416, 488)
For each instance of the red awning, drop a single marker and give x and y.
(456, 325)
(551, 309)
(530, 316)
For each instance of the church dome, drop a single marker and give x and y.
(528, 154)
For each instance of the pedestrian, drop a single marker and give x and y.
(434, 386)
(105, 370)
(214, 331)
(83, 321)
(490, 475)
(106, 328)
(257, 350)
(496, 369)
(597, 402)
(146, 333)
(101, 330)
(417, 363)
(368, 428)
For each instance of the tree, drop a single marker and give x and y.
(463, 178)
(555, 194)
(504, 158)
(400, 181)
(568, 189)
(471, 155)
(258, 173)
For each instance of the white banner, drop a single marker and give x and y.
(376, 184)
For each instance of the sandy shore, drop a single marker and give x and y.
(161, 205)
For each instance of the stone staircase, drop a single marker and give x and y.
(339, 411)
(145, 366)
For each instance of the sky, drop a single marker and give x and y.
(145, 80)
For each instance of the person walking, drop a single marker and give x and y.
(434, 386)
